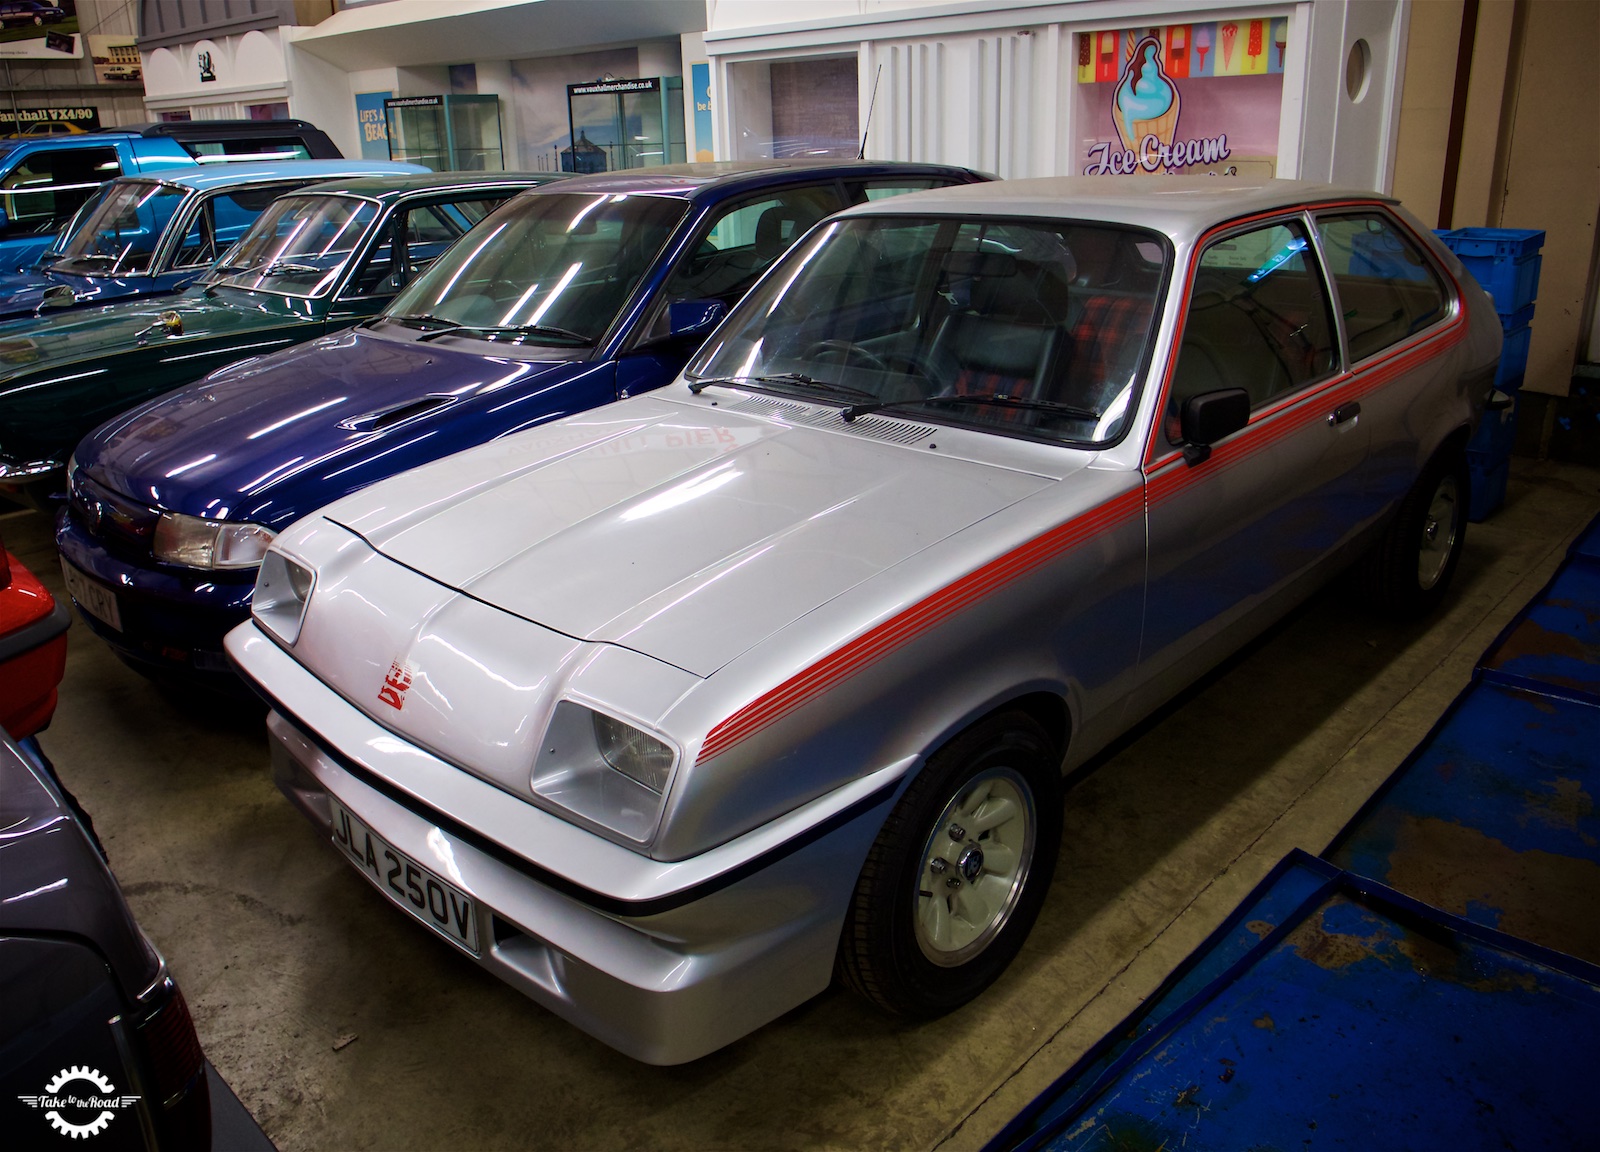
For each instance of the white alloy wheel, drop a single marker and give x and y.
(974, 866)
(1439, 528)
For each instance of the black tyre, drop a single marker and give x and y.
(1408, 571)
(956, 878)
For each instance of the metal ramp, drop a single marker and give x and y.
(1434, 982)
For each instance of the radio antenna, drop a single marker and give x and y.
(871, 104)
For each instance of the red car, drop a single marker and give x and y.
(33, 648)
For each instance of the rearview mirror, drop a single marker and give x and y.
(58, 296)
(1212, 416)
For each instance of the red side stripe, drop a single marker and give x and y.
(903, 627)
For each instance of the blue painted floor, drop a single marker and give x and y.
(1434, 983)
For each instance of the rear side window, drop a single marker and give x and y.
(1387, 289)
(42, 192)
(888, 189)
(221, 220)
(1258, 320)
(429, 229)
(256, 148)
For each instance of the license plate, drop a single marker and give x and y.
(438, 904)
(95, 599)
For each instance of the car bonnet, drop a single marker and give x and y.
(681, 532)
(80, 334)
(271, 438)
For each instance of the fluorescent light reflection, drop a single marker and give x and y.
(288, 420)
(555, 293)
(182, 468)
(681, 494)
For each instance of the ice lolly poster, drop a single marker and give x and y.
(1181, 98)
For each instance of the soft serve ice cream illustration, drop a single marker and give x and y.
(1146, 101)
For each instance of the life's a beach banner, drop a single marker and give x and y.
(1181, 98)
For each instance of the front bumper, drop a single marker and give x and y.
(664, 960)
(173, 619)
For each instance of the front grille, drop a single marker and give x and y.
(116, 520)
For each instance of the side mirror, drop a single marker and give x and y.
(58, 296)
(1212, 416)
(5, 221)
(694, 317)
(169, 323)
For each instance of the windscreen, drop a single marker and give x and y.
(120, 233)
(298, 246)
(1033, 328)
(545, 269)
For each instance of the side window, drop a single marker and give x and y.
(427, 225)
(1258, 319)
(41, 193)
(1387, 289)
(428, 229)
(221, 220)
(743, 240)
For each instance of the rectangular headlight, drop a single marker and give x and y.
(283, 590)
(609, 771)
(197, 543)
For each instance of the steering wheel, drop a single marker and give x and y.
(844, 353)
(913, 364)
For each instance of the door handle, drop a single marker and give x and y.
(1344, 412)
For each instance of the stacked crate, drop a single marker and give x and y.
(1505, 261)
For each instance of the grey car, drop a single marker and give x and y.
(96, 1042)
(671, 712)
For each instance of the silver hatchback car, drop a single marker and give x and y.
(670, 712)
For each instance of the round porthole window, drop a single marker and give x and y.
(1358, 71)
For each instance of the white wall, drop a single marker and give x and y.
(249, 68)
(322, 93)
(992, 86)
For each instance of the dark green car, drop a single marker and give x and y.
(314, 262)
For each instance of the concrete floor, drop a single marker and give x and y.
(341, 1024)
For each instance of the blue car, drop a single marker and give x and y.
(44, 180)
(151, 235)
(569, 296)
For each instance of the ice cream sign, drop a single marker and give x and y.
(1181, 98)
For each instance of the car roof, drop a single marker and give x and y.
(1181, 206)
(716, 177)
(394, 187)
(208, 176)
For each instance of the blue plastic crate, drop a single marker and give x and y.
(1488, 491)
(1505, 261)
(1513, 360)
(1497, 432)
(1498, 243)
(1521, 318)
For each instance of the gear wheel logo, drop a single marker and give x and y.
(59, 1097)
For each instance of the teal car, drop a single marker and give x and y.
(314, 262)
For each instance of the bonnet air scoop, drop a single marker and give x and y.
(399, 413)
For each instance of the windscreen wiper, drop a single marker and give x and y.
(796, 383)
(293, 268)
(995, 399)
(537, 331)
(420, 318)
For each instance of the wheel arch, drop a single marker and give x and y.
(1046, 708)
